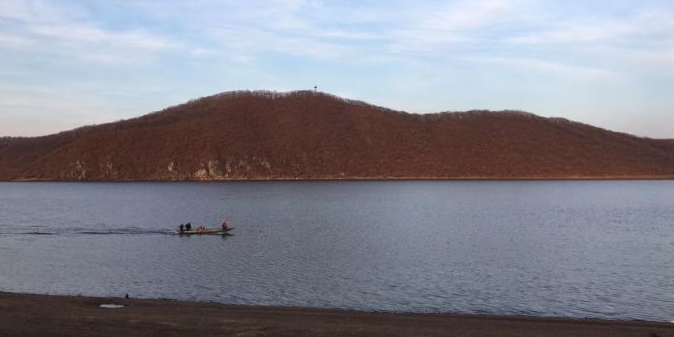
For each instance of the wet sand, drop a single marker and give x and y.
(40, 315)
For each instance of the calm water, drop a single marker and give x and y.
(579, 249)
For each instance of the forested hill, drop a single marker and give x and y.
(307, 135)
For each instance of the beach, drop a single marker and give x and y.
(44, 315)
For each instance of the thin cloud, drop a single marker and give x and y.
(47, 29)
(11, 41)
(640, 28)
(87, 33)
(38, 11)
(556, 68)
(472, 14)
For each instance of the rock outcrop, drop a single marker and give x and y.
(209, 170)
(78, 172)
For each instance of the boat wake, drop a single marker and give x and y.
(71, 231)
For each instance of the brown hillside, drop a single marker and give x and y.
(306, 135)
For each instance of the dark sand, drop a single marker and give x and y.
(39, 315)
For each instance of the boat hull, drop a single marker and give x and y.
(208, 231)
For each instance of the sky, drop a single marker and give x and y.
(66, 63)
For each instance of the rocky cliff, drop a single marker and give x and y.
(307, 135)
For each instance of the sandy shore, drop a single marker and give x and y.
(39, 315)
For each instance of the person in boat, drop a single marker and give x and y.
(188, 227)
(224, 224)
(182, 228)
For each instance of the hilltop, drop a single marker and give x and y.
(307, 135)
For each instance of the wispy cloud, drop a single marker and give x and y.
(67, 30)
(638, 29)
(38, 11)
(465, 14)
(556, 68)
(11, 41)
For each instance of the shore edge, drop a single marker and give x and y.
(51, 315)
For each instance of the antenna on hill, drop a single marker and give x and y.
(315, 89)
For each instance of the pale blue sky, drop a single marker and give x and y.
(68, 63)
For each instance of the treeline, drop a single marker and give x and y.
(272, 94)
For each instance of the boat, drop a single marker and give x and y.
(207, 231)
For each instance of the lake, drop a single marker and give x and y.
(602, 249)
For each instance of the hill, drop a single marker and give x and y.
(307, 135)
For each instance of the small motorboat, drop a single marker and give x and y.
(207, 231)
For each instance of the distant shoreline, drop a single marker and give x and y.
(569, 178)
(41, 315)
